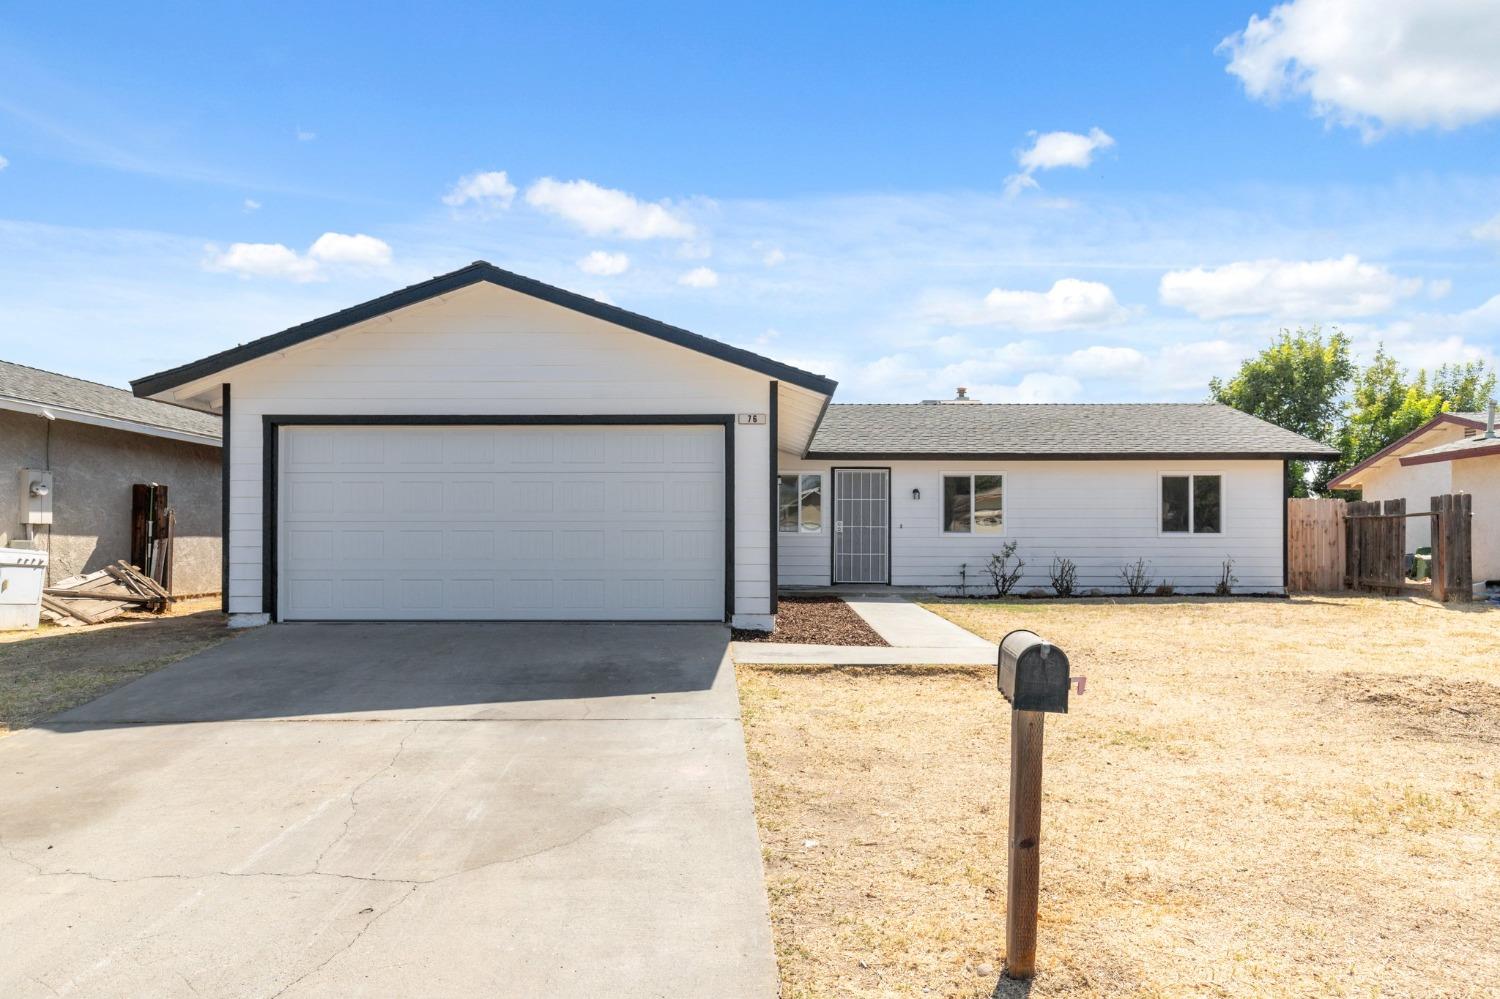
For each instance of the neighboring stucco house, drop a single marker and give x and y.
(1385, 475)
(1472, 464)
(482, 446)
(98, 441)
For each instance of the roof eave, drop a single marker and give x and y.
(1348, 481)
(479, 271)
(47, 411)
(871, 455)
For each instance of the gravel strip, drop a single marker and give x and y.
(815, 621)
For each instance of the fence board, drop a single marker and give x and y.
(1315, 544)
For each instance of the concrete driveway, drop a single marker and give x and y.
(387, 810)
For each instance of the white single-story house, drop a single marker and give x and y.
(1452, 453)
(485, 446)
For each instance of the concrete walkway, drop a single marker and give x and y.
(908, 625)
(916, 636)
(393, 810)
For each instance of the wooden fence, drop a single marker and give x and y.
(1315, 544)
(1333, 545)
(1375, 545)
(1453, 547)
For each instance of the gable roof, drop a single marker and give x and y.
(475, 273)
(1033, 431)
(32, 390)
(1350, 479)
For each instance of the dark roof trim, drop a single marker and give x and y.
(473, 274)
(1457, 454)
(1342, 481)
(1068, 455)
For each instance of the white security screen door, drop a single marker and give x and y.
(501, 522)
(861, 525)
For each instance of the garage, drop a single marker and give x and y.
(483, 446)
(501, 522)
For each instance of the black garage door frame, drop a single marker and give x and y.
(270, 469)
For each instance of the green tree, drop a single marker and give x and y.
(1464, 388)
(1384, 407)
(1298, 382)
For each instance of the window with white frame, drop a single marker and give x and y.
(800, 504)
(974, 504)
(1192, 504)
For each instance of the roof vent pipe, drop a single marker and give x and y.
(963, 396)
(1489, 431)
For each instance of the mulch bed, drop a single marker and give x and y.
(815, 621)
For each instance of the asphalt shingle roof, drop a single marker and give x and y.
(48, 388)
(1025, 430)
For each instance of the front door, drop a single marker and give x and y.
(861, 525)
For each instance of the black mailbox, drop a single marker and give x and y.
(1033, 675)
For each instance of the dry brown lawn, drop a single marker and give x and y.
(1253, 798)
(52, 669)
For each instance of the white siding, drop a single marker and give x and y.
(1100, 514)
(490, 351)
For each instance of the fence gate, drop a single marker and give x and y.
(1315, 544)
(1375, 545)
(1453, 547)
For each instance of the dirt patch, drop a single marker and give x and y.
(1428, 707)
(1230, 810)
(52, 669)
(815, 621)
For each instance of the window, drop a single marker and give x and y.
(973, 504)
(800, 504)
(1191, 504)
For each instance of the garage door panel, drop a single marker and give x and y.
(496, 522)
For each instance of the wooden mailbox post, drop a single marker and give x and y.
(1035, 678)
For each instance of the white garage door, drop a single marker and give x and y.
(468, 523)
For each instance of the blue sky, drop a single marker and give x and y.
(1060, 203)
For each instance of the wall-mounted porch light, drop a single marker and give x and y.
(916, 494)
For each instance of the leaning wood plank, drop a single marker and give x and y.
(100, 594)
(84, 610)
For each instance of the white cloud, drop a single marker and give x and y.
(277, 260)
(4, 162)
(490, 190)
(1068, 304)
(250, 205)
(357, 250)
(1314, 290)
(1375, 64)
(306, 135)
(699, 277)
(1488, 230)
(773, 257)
(1105, 362)
(263, 260)
(1050, 150)
(604, 264)
(602, 211)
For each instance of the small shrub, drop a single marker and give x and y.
(1225, 586)
(1035, 591)
(963, 579)
(1005, 569)
(1135, 577)
(1064, 575)
(1165, 589)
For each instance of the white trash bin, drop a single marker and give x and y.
(23, 573)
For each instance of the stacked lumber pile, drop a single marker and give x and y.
(99, 596)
